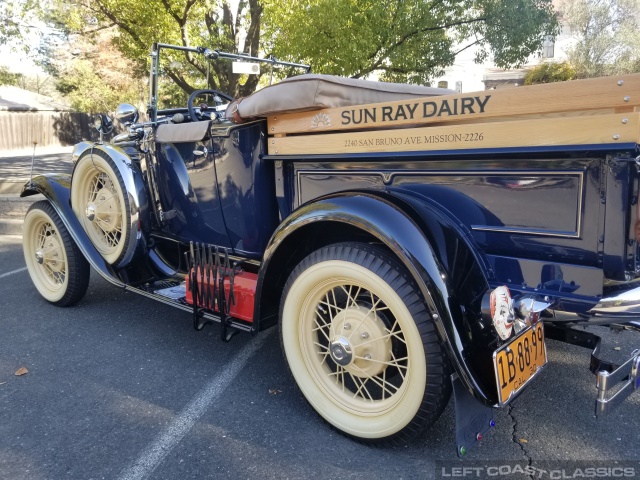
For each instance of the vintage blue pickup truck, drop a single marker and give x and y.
(408, 242)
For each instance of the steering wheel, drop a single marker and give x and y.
(192, 111)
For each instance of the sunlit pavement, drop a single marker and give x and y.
(122, 387)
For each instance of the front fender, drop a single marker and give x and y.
(421, 241)
(56, 189)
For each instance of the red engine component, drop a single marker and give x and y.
(244, 292)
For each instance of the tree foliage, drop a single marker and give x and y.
(405, 40)
(190, 23)
(9, 78)
(20, 24)
(400, 40)
(549, 72)
(607, 38)
(93, 76)
(11, 12)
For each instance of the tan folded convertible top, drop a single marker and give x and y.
(313, 92)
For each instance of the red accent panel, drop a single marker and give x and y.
(244, 290)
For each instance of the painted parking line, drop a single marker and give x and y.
(157, 451)
(2, 275)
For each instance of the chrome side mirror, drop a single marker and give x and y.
(126, 114)
(103, 124)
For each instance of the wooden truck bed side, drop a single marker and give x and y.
(583, 112)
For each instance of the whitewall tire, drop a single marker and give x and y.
(56, 266)
(361, 345)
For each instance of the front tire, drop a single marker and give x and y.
(57, 268)
(361, 344)
(99, 200)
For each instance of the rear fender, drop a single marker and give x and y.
(448, 270)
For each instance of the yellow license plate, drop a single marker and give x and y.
(518, 361)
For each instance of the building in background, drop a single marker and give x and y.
(467, 76)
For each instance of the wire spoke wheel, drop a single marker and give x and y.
(57, 268)
(354, 344)
(99, 201)
(360, 345)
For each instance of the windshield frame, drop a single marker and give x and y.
(152, 106)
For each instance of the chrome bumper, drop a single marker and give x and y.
(629, 373)
(624, 304)
(615, 382)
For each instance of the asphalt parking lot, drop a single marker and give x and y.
(122, 387)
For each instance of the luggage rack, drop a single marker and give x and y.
(209, 267)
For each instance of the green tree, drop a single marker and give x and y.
(10, 14)
(93, 76)
(9, 78)
(607, 38)
(549, 72)
(20, 25)
(405, 40)
(402, 40)
(139, 23)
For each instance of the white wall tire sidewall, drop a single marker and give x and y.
(370, 423)
(79, 194)
(33, 221)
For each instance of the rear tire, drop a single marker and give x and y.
(361, 344)
(57, 267)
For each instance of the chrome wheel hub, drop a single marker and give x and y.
(91, 212)
(341, 351)
(48, 253)
(361, 343)
(103, 211)
(53, 258)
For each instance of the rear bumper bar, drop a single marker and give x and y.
(615, 382)
(622, 305)
(628, 373)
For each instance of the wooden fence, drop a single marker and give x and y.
(20, 129)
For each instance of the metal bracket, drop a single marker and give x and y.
(629, 373)
(209, 266)
(583, 339)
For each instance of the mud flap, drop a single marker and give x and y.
(473, 419)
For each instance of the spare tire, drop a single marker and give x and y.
(100, 201)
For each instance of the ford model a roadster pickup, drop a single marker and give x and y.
(408, 241)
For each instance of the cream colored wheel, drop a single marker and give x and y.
(57, 268)
(99, 201)
(354, 345)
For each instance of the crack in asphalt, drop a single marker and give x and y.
(516, 440)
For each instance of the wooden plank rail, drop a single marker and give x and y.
(578, 130)
(616, 94)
